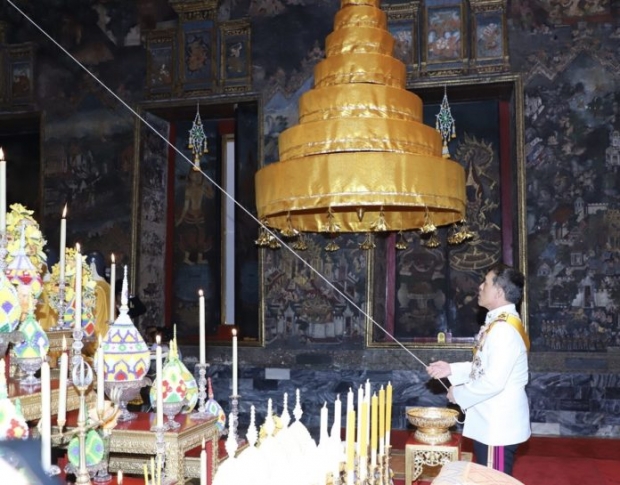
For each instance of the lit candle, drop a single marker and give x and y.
(201, 326)
(62, 385)
(350, 445)
(119, 477)
(203, 464)
(100, 382)
(2, 192)
(160, 387)
(78, 288)
(373, 433)
(337, 418)
(63, 244)
(234, 362)
(388, 415)
(46, 413)
(381, 420)
(113, 289)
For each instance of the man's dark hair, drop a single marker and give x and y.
(510, 280)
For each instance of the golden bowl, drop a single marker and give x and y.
(432, 424)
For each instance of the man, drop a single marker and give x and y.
(491, 389)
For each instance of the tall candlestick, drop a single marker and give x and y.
(388, 414)
(381, 420)
(100, 379)
(234, 362)
(373, 429)
(113, 289)
(62, 385)
(160, 386)
(63, 244)
(203, 464)
(46, 413)
(201, 326)
(336, 427)
(2, 192)
(78, 288)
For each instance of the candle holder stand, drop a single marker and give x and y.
(381, 469)
(387, 472)
(3, 252)
(202, 413)
(77, 347)
(372, 474)
(234, 409)
(61, 307)
(160, 454)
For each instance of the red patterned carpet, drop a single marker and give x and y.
(545, 461)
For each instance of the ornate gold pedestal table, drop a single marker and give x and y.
(132, 444)
(418, 455)
(30, 398)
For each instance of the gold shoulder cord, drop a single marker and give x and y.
(516, 323)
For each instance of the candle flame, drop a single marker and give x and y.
(64, 343)
(158, 339)
(1, 155)
(200, 293)
(203, 443)
(113, 259)
(64, 212)
(234, 332)
(77, 247)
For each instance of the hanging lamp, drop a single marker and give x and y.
(360, 159)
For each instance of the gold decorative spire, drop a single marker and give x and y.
(360, 159)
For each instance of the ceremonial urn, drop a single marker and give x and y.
(432, 424)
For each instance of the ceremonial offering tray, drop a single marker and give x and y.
(432, 424)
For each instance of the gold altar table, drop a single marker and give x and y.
(132, 444)
(420, 455)
(30, 397)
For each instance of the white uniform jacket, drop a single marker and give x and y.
(491, 389)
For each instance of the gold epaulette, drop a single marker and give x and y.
(516, 323)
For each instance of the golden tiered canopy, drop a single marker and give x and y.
(360, 152)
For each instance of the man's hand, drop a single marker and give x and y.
(439, 369)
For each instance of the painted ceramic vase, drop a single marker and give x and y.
(35, 339)
(126, 355)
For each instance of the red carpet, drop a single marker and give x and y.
(551, 461)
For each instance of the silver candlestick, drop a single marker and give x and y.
(77, 347)
(61, 307)
(202, 413)
(234, 412)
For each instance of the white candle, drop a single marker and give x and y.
(62, 385)
(113, 289)
(46, 413)
(203, 464)
(201, 325)
(234, 362)
(2, 192)
(63, 244)
(119, 477)
(100, 379)
(323, 425)
(350, 400)
(336, 427)
(160, 387)
(78, 288)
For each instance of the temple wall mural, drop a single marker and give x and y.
(568, 57)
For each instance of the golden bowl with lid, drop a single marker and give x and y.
(432, 424)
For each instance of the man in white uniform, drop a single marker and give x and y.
(491, 389)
